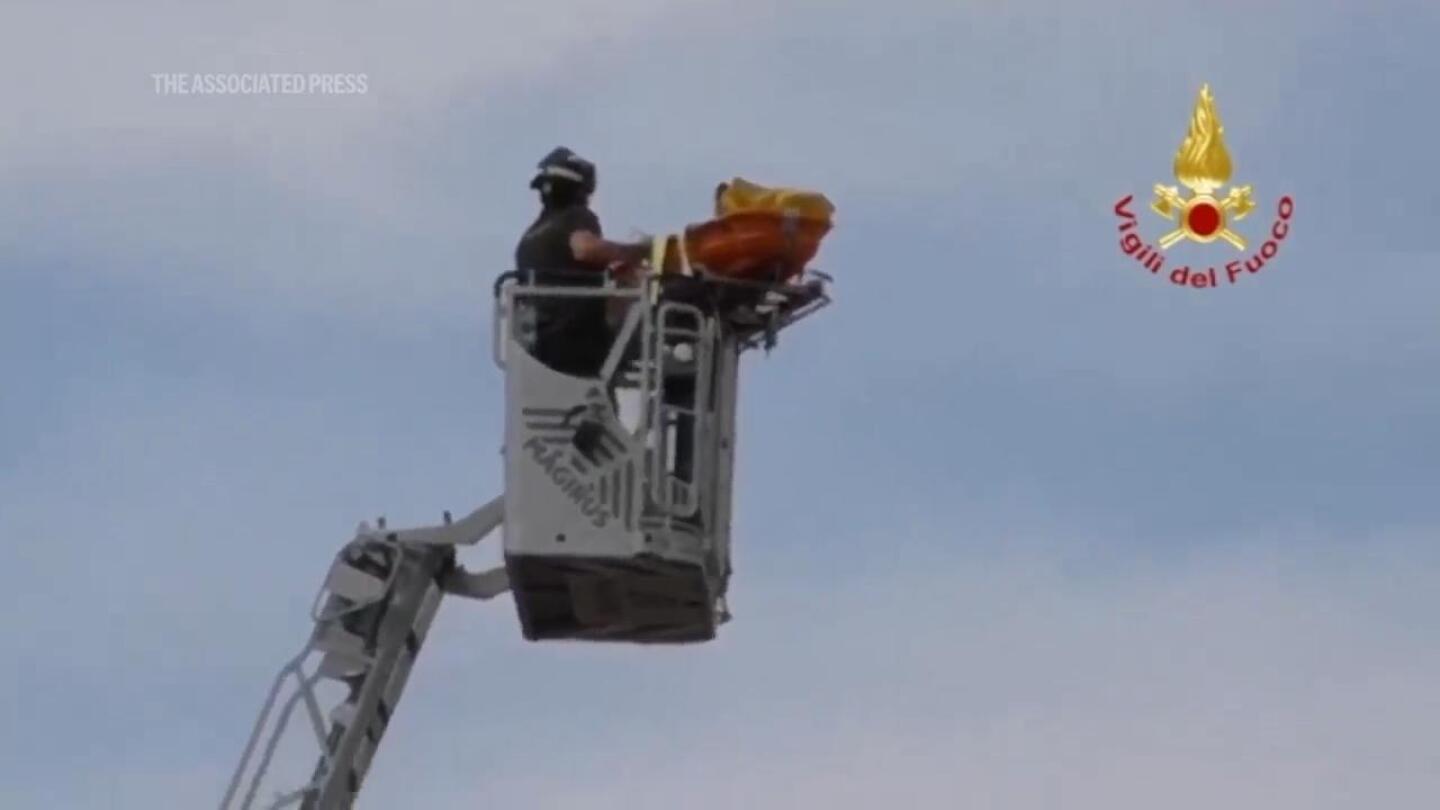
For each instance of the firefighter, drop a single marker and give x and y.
(564, 247)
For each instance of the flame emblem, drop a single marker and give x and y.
(1203, 165)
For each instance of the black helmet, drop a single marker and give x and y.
(563, 164)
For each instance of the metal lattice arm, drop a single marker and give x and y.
(371, 619)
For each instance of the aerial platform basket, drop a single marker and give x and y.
(625, 535)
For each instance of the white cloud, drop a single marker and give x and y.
(80, 67)
(396, 199)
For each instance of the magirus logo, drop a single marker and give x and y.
(1203, 166)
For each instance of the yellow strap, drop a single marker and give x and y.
(657, 264)
(657, 258)
(684, 255)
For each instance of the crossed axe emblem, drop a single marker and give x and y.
(1202, 217)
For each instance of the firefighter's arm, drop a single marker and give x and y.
(592, 249)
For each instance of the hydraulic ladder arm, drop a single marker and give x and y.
(371, 618)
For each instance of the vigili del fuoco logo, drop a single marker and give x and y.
(1203, 166)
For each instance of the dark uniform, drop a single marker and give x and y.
(572, 335)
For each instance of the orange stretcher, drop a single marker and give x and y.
(758, 233)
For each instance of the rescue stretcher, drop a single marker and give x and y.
(748, 263)
(758, 234)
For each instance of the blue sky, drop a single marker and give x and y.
(1018, 525)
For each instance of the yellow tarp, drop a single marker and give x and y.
(742, 196)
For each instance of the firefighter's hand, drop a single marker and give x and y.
(643, 246)
(627, 273)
